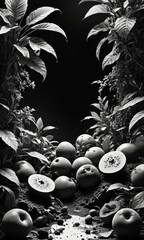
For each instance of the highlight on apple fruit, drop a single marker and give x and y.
(17, 223)
(87, 176)
(127, 223)
(23, 170)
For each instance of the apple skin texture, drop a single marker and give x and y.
(23, 170)
(126, 223)
(17, 223)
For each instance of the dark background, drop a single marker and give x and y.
(64, 98)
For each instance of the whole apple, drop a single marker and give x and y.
(17, 223)
(23, 170)
(126, 223)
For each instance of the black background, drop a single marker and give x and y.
(64, 98)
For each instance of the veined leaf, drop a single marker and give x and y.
(23, 50)
(39, 156)
(131, 103)
(34, 62)
(123, 26)
(111, 58)
(39, 14)
(102, 27)
(38, 43)
(98, 9)
(39, 124)
(5, 29)
(17, 8)
(9, 138)
(50, 27)
(95, 116)
(136, 118)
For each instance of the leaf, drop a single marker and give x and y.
(38, 43)
(34, 62)
(49, 27)
(87, 118)
(123, 26)
(23, 50)
(9, 138)
(39, 156)
(131, 103)
(96, 105)
(9, 178)
(116, 186)
(48, 128)
(136, 118)
(39, 124)
(105, 234)
(17, 8)
(98, 9)
(101, 42)
(5, 29)
(96, 1)
(138, 201)
(5, 106)
(39, 14)
(95, 116)
(102, 27)
(111, 58)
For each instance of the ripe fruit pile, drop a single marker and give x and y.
(80, 167)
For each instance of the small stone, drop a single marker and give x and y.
(76, 224)
(88, 219)
(87, 231)
(42, 234)
(60, 221)
(64, 210)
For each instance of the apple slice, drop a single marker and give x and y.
(108, 210)
(112, 162)
(41, 185)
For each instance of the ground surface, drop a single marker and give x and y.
(71, 224)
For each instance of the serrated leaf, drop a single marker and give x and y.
(98, 9)
(136, 118)
(131, 103)
(17, 8)
(38, 43)
(34, 62)
(23, 50)
(49, 27)
(39, 14)
(123, 26)
(138, 201)
(39, 124)
(111, 58)
(39, 156)
(9, 138)
(101, 27)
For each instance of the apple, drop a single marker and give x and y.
(23, 170)
(137, 176)
(87, 176)
(65, 187)
(17, 223)
(126, 223)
